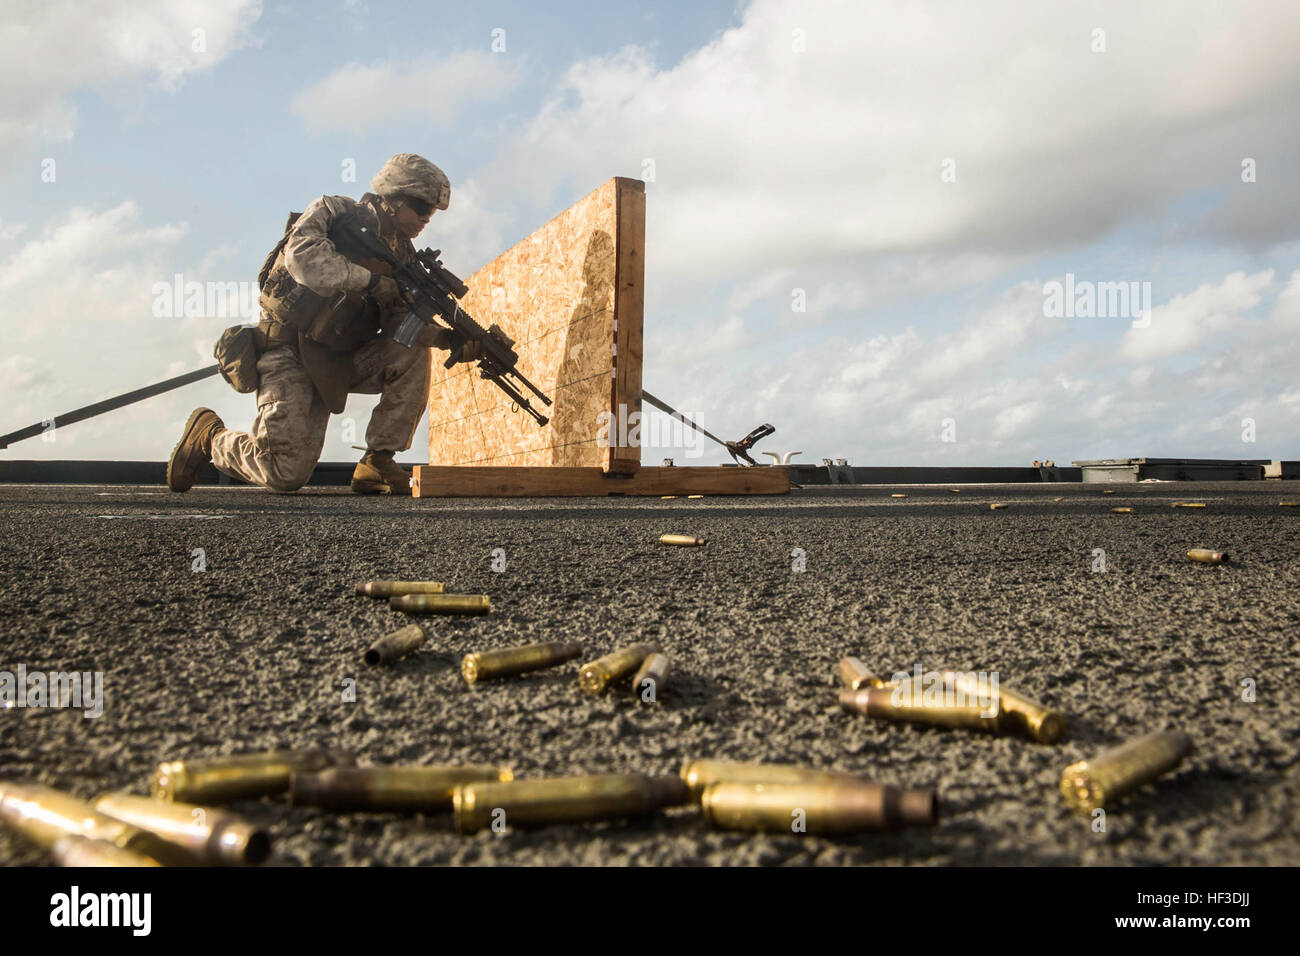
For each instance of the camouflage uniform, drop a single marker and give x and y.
(289, 431)
(302, 380)
(326, 331)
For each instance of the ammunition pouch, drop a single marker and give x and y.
(271, 334)
(288, 302)
(344, 323)
(236, 354)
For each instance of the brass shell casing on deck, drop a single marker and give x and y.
(528, 803)
(221, 779)
(441, 603)
(654, 669)
(389, 789)
(74, 850)
(852, 673)
(878, 702)
(388, 589)
(210, 835)
(395, 646)
(699, 775)
(1043, 724)
(596, 677)
(1104, 779)
(838, 807)
(45, 816)
(508, 661)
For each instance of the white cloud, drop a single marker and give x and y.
(1012, 421)
(883, 400)
(991, 337)
(79, 326)
(78, 242)
(836, 152)
(1285, 317)
(357, 97)
(727, 336)
(51, 49)
(1186, 321)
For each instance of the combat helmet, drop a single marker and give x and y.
(407, 174)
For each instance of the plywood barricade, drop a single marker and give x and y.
(571, 296)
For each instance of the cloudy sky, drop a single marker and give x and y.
(857, 213)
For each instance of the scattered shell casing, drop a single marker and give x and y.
(441, 603)
(651, 678)
(596, 677)
(508, 661)
(1104, 779)
(388, 589)
(210, 835)
(395, 646)
(684, 540)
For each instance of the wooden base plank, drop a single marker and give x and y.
(547, 481)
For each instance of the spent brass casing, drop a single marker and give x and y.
(878, 702)
(441, 603)
(389, 789)
(853, 673)
(1104, 779)
(1188, 504)
(82, 851)
(387, 589)
(996, 505)
(564, 799)
(1206, 556)
(838, 807)
(596, 676)
(45, 816)
(1122, 511)
(221, 779)
(699, 775)
(395, 646)
(685, 540)
(1045, 725)
(654, 669)
(507, 661)
(210, 835)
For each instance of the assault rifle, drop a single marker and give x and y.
(432, 290)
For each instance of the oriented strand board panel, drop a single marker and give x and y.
(571, 296)
(434, 481)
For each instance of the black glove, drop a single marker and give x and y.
(470, 351)
(384, 290)
(449, 340)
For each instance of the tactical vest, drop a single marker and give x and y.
(341, 321)
(325, 329)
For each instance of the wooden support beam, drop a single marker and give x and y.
(545, 481)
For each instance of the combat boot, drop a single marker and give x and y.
(194, 450)
(378, 474)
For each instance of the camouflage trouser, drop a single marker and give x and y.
(289, 431)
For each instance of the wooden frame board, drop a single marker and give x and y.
(571, 295)
(434, 481)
